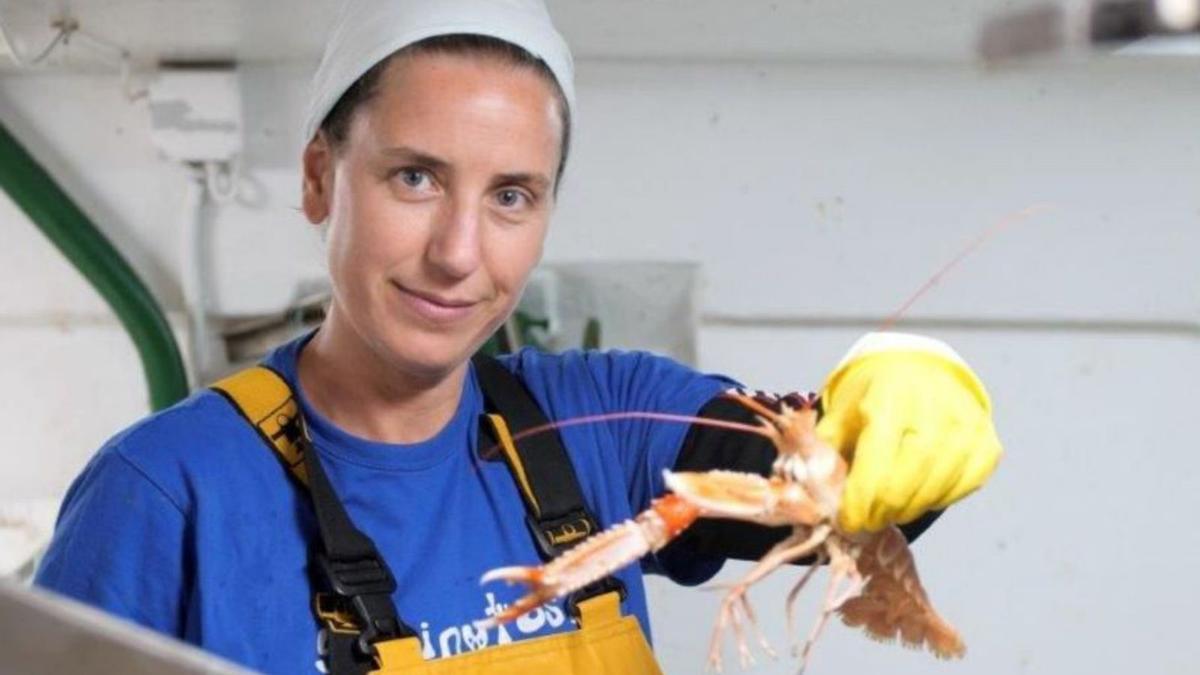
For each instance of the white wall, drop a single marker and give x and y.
(816, 199)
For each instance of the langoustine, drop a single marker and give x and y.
(873, 578)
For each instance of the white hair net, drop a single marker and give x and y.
(367, 31)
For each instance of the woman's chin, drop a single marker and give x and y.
(430, 360)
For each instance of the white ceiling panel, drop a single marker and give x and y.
(289, 30)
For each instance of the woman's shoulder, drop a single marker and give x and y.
(203, 416)
(196, 441)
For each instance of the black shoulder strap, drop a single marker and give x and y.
(556, 511)
(354, 584)
(539, 461)
(350, 566)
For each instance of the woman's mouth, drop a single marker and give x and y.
(434, 307)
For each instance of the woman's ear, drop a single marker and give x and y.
(318, 178)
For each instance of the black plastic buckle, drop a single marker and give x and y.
(553, 536)
(367, 584)
(596, 588)
(361, 576)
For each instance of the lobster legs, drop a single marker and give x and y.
(798, 545)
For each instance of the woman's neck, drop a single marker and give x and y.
(348, 384)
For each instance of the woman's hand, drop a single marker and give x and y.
(915, 425)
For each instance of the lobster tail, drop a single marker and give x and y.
(893, 604)
(943, 640)
(883, 617)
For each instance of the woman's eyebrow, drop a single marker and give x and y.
(534, 180)
(416, 156)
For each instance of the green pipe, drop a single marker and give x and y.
(36, 193)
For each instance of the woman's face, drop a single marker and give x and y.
(437, 205)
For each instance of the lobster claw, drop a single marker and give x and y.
(584, 564)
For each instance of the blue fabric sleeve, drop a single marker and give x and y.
(119, 545)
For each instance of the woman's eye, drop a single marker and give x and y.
(510, 198)
(413, 178)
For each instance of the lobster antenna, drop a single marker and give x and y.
(606, 417)
(987, 234)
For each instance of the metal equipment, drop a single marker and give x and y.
(1090, 24)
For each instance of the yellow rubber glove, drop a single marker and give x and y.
(915, 425)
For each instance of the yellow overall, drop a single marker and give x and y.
(606, 641)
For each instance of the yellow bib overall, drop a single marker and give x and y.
(606, 642)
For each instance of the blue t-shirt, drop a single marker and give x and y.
(187, 523)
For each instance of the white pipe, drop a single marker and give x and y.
(192, 274)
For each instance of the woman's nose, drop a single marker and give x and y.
(454, 246)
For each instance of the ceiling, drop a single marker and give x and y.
(290, 30)
(872, 31)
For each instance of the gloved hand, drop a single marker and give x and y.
(915, 425)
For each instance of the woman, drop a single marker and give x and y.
(437, 135)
